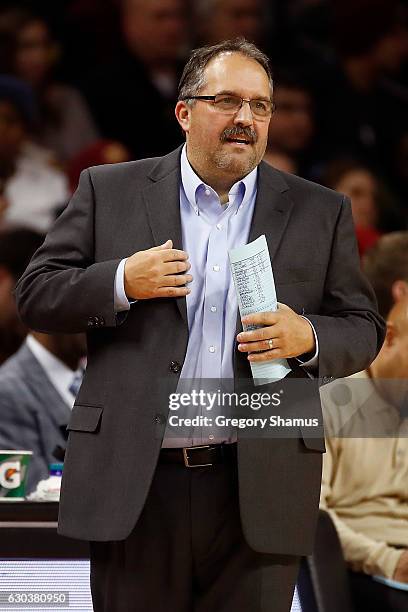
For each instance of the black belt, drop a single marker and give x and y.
(199, 456)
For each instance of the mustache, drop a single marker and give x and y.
(236, 132)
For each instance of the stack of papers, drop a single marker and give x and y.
(251, 270)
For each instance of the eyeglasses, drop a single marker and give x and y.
(229, 105)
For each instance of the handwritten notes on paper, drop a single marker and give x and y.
(255, 286)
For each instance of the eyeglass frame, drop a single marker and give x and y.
(212, 99)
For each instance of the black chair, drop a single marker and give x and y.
(323, 583)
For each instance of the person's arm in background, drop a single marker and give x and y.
(362, 553)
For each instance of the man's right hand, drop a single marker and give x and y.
(157, 273)
(401, 571)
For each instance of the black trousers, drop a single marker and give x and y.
(371, 596)
(187, 552)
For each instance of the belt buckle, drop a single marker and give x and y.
(186, 457)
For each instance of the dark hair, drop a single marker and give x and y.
(17, 246)
(12, 21)
(385, 263)
(337, 168)
(290, 77)
(193, 78)
(360, 26)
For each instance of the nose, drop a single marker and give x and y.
(244, 115)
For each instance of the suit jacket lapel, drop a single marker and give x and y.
(162, 200)
(51, 401)
(272, 208)
(272, 212)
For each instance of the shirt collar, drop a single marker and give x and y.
(60, 375)
(191, 182)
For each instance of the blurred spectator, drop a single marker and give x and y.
(303, 34)
(292, 125)
(360, 185)
(361, 107)
(38, 386)
(133, 98)
(64, 123)
(218, 20)
(386, 267)
(398, 170)
(17, 246)
(87, 29)
(369, 506)
(31, 190)
(101, 152)
(367, 426)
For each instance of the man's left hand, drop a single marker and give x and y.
(284, 334)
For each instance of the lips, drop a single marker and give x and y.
(239, 135)
(238, 140)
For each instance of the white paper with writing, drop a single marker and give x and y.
(255, 286)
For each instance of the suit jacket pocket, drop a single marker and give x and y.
(316, 442)
(85, 418)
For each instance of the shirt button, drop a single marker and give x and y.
(212, 349)
(175, 367)
(207, 192)
(213, 309)
(216, 268)
(219, 226)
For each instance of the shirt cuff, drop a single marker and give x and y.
(121, 303)
(313, 362)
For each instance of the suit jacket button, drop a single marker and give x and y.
(175, 367)
(159, 418)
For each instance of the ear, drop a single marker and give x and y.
(4, 274)
(390, 335)
(183, 115)
(399, 290)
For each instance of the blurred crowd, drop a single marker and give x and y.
(85, 83)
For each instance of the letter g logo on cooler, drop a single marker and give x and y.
(10, 474)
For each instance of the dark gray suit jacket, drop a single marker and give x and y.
(32, 413)
(117, 423)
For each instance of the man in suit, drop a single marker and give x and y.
(139, 259)
(37, 392)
